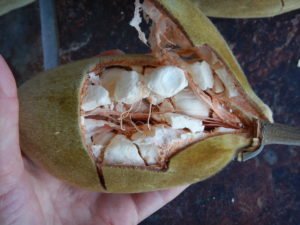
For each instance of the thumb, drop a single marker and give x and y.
(11, 164)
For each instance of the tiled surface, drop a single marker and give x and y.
(264, 190)
(20, 41)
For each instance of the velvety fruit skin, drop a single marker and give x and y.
(50, 130)
(246, 8)
(51, 136)
(200, 31)
(49, 125)
(8, 5)
(49, 121)
(193, 164)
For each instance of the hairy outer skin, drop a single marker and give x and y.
(8, 5)
(193, 164)
(199, 29)
(246, 8)
(49, 127)
(214, 8)
(51, 136)
(49, 120)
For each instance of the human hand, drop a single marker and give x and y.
(29, 195)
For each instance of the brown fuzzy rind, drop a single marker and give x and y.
(49, 125)
(199, 30)
(51, 135)
(49, 120)
(195, 163)
(8, 5)
(246, 8)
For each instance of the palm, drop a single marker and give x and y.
(28, 195)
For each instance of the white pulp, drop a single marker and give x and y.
(100, 141)
(163, 113)
(129, 88)
(166, 81)
(122, 151)
(178, 121)
(94, 78)
(186, 102)
(224, 76)
(92, 124)
(218, 86)
(109, 79)
(202, 75)
(150, 153)
(96, 96)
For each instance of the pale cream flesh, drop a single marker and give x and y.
(143, 115)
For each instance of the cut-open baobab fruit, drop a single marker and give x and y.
(134, 123)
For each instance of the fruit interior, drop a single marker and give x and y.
(141, 114)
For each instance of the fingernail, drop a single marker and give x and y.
(7, 81)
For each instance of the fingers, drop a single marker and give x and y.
(148, 203)
(131, 208)
(10, 157)
(7, 82)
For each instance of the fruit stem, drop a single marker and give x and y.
(274, 133)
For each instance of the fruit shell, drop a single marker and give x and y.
(193, 164)
(49, 125)
(246, 8)
(200, 31)
(51, 136)
(8, 5)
